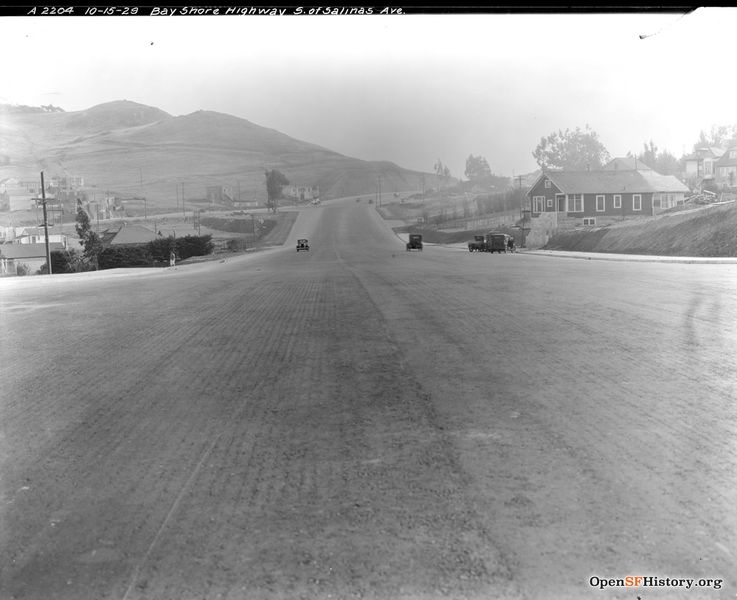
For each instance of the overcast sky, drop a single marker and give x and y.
(411, 89)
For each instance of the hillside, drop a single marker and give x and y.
(708, 231)
(132, 149)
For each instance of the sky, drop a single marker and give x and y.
(412, 89)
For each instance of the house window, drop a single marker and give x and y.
(617, 201)
(733, 154)
(548, 184)
(575, 202)
(636, 201)
(550, 203)
(538, 203)
(600, 203)
(589, 221)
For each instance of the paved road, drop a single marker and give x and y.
(363, 422)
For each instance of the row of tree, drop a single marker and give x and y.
(581, 149)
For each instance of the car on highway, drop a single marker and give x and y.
(303, 244)
(415, 242)
(478, 244)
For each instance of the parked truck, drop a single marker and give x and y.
(497, 242)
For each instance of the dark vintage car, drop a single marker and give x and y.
(478, 244)
(302, 244)
(415, 242)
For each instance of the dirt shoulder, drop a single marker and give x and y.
(706, 232)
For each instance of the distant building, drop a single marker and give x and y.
(700, 165)
(15, 195)
(220, 194)
(31, 256)
(302, 193)
(726, 169)
(35, 235)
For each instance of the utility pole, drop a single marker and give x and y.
(46, 223)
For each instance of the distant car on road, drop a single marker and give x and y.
(303, 244)
(415, 242)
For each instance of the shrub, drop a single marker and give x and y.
(236, 245)
(189, 245)
(160, 249)
(194, 245)
(125, 256)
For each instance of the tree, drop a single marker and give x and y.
(89, 240)
(662, 162)
(477, 169)
(275, 180)
(720, 136)
(442, 171)
(572, 150)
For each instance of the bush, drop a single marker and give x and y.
(236, 245)
(66, 261)
(22, 269)
(125, 256)
(194, 245)
(184, 247)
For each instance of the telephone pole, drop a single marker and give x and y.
(46, 223)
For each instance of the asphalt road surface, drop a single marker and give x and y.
(358, 421)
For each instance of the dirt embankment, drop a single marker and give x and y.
(709, 231)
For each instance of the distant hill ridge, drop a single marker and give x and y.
(22, 108)
(131, 148)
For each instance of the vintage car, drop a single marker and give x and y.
(302, 244)
(478, 244)
(415, 242)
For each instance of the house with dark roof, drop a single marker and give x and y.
(32, 256)
(127, 235)
(600, 197)
(726, 169)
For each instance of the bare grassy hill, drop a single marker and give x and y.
(708, 231)
(138, 150)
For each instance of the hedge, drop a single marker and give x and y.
(155, 253)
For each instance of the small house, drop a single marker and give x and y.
(599, 197)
